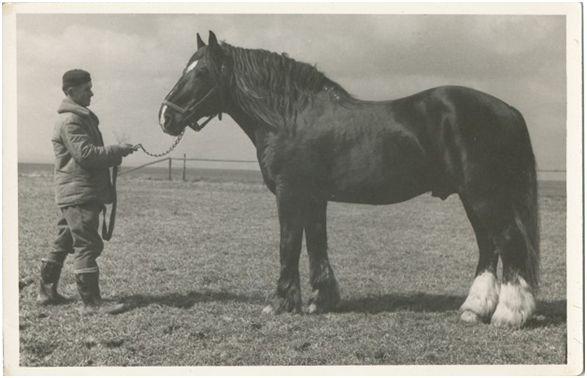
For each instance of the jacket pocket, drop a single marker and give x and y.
(74, 169)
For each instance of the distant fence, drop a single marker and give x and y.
(184, 160)
(545, 172)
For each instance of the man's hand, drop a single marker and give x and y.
(127, 149)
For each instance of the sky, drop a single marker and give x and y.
(135, 59)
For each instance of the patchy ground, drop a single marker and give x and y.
(198, 260)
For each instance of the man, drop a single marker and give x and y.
(83, 186)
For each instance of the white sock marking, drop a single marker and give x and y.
(516, 305)
(483, 295)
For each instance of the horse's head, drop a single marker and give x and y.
(197, 93)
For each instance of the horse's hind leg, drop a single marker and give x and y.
(516, 298)
(325, 294)
(484, 293)
(499, 234)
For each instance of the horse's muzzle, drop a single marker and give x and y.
(168, 122)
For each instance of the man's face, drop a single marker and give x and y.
(81, 94)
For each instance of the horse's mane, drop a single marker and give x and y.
(273, 87)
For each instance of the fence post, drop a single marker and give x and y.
(169, 169)
(183, 175)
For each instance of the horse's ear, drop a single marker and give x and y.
(212, 41)
(214, 48)
(200, 42)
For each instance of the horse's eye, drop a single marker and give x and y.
(201, 72)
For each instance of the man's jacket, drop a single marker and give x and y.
(81, 159)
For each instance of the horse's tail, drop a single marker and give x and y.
(524, 197)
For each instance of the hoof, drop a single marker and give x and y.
(482, 299)
(317, 308)
(276, 310)
(312, 309)
(470, 317)
(324, 300)
(268, 310)
(290, 302)
(516, 306)
(509, 318)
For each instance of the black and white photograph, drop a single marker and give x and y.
(361, 188)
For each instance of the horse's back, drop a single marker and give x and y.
(438, 141)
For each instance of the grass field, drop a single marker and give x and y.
(197, 260)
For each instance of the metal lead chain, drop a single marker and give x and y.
(175, 143)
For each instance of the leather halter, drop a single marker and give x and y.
(191, 110)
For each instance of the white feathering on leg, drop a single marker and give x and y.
(516, 305)
(482, 299)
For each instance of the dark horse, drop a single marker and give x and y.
(316, 143)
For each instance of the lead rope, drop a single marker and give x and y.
(173, 145)
(108, 229)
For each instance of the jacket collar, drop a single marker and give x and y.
(69, 106)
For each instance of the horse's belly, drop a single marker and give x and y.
(379, 190)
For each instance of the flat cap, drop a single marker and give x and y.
(75, 77)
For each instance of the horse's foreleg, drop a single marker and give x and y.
(288, 296)
(325, 294)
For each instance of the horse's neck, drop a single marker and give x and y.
(251, 127)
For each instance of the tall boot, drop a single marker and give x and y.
(89, 291)
(50, 273)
